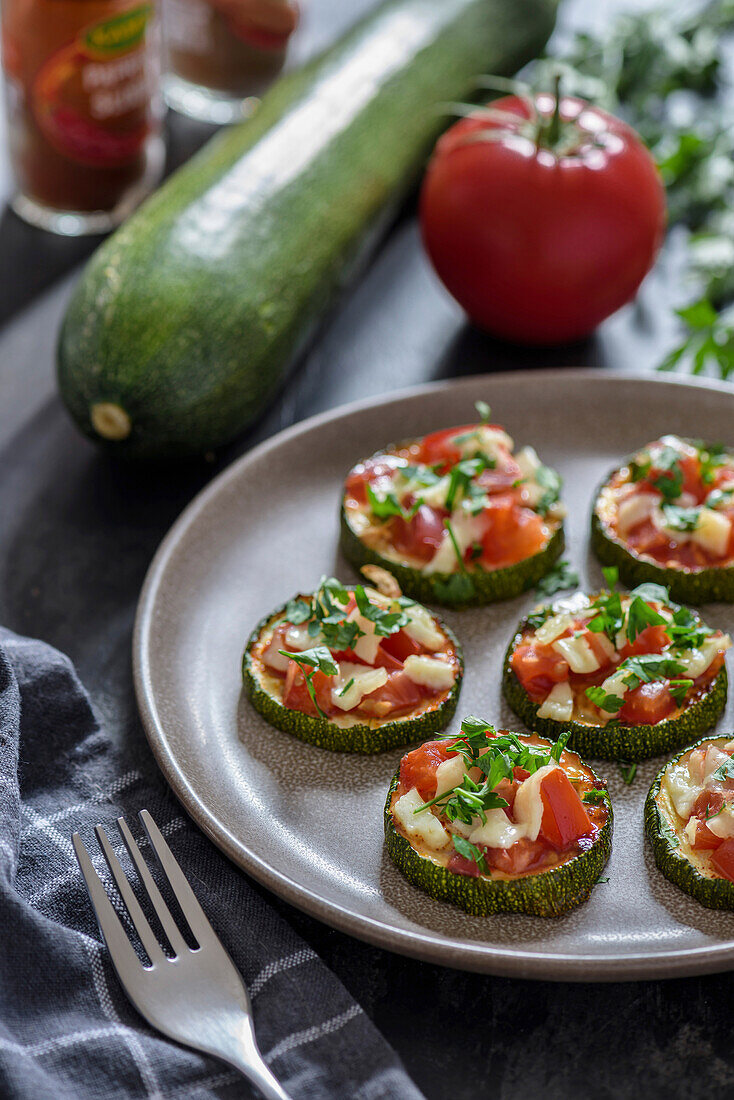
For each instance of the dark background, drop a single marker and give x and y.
(76, 536)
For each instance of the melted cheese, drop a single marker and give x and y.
(365, 647)
(697, 661)
(424, 824)
(683, 790)
(722, 825)
(365, 681)
(712, 532)
(633, 510)
(578, 653)
(552, 628)
(450, 773)
(422, 627)
(528, 805)
(558, 704)
(430, 672)
(498, 831)
(467, 529)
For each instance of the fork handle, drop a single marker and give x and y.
(261, 1077)
(241, 1051)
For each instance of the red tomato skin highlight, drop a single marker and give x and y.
(539, 249)
(564, 817)
(722, 859)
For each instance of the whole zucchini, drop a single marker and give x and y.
(185, 321)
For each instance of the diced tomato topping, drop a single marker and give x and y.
(704, 838)
(564, 816)
(383, 659)
(513, 532)
(400, 691)
(502, 477)
(421, 535)
(460, 865)
(438, 447)
(363, 472)
(538, 668)
(400, 645)
(524, 855)
(296, 695)
(723, 859)
(418, 768)
(707, 803)
(647, 704)
(653, 639)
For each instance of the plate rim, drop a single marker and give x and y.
(479, 957)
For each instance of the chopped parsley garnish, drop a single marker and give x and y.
(389, 505)
(385, 622)
(681, 519)
(551, 482)
(312, 660)
(628, 772)
(679, 689)
(714, 813)
(725, 771)
(484, 411)
(459, 588)
(461, 477)
(346, 687)
(640, 615)
(561, 577)
(719, 498)
(604, 700)
(594, 797)
(298, 611)
(496, 757)
(710, 458)
(470, 851)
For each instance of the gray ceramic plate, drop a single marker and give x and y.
(307, 823)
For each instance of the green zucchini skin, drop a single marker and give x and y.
(714, 893)
(490, 585)
(702, 586)
(185, 321)
(617, 742)
(549, 894)
(361, 738)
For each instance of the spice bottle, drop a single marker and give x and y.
(221, 55)
(84, 109)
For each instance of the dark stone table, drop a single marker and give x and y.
(77, 533)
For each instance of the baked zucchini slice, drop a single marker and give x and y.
(689, 821)
(667, 515)
(458, 517)
(530, 833)
(627, 675)
(353, 669)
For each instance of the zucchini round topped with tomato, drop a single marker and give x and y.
(630, 676)
(457, 517)
(689, 820)
(353, 669)
(497, 822)
(667, 515)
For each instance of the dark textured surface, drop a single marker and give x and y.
(76, 535)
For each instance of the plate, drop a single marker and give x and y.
(307, 823)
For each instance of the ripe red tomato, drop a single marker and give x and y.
(540, 237)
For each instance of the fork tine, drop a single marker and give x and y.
(185, 896)
(176, 940)
(113, 934)
(142, 927)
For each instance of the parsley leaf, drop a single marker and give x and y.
(389, 505)
(594, 797)
(679, 689)
(725, 771)
(470, 851)
(561, 577)
(484, 411)
(628, 772)
(604, 700)
(298, 611)
(310, 661)
(549, 480)
(681, 519)
(385, 622)
(639, 616)
(459, 588)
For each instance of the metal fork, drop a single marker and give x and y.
(197, 997)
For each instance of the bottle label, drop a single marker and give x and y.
(91, 99)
